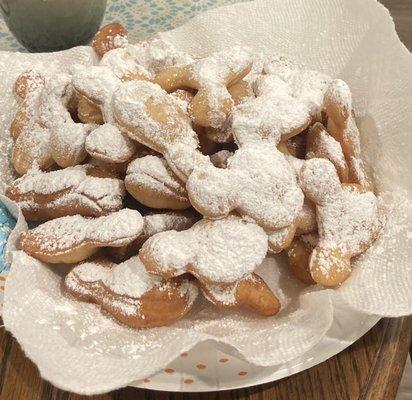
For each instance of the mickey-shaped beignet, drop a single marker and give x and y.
(50, 135)
(151, 182)
(75, 238)
(258, 183)
(348, 221)
(342, 126)
(250, 292)
(154, 223)
(129, 294)
(47, 195)
(221, 251)
(306, 86)
(154, 118)
(272, 114)
(210, 76)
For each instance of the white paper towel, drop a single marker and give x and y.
(79, 349)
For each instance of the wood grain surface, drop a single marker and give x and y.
(370, 369)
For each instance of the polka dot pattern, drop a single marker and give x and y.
(201, 368)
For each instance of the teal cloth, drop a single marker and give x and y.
(7, 223)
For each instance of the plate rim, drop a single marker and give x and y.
(305, 361)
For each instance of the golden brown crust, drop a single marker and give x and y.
(88, 112)
(105, 38)
(251, 293)
(298, 256)
(164, 303)
(200, 109)
(26, 83)
(45, 201)
(73, 239)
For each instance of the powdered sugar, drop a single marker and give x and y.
(214, 73)
(347, 219)
(128, 278)
(258, 182)
(108, 143)
(119, 40)
(121, 62)
(145, 58)
(221, 158)
(32, 147)
(67, 142)
(327, 145)
(307, 86)
(274, 113)
(170, 220)
(153, 172)
(222, 294)
(339, 91)
(95, 82)
(218, 67)
(53, 99)
(63, 234)
(338, 99)
(216, 251)
(65, 188)
(351, 222)
(157, 127)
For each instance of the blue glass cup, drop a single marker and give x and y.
(52, 25)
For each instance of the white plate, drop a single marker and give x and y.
(208, 367)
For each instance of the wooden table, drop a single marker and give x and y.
(370, 369)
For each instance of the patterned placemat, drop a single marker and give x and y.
(142, 18)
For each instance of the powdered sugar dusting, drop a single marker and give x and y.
(160, 222)
(108, 143)
(307, 86)
(271, 115)
(146, 58)
(62, 234)
(219, 251)
(152, 171)
(221, 294)
(221, 158)
(95, 82)
(130, 105)
(347, 219)
(258, 182)
(327, 145)
(70, 185)
(213, 73)
(128, 278)
(339, 91)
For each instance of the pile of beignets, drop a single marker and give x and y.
(157, 173)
